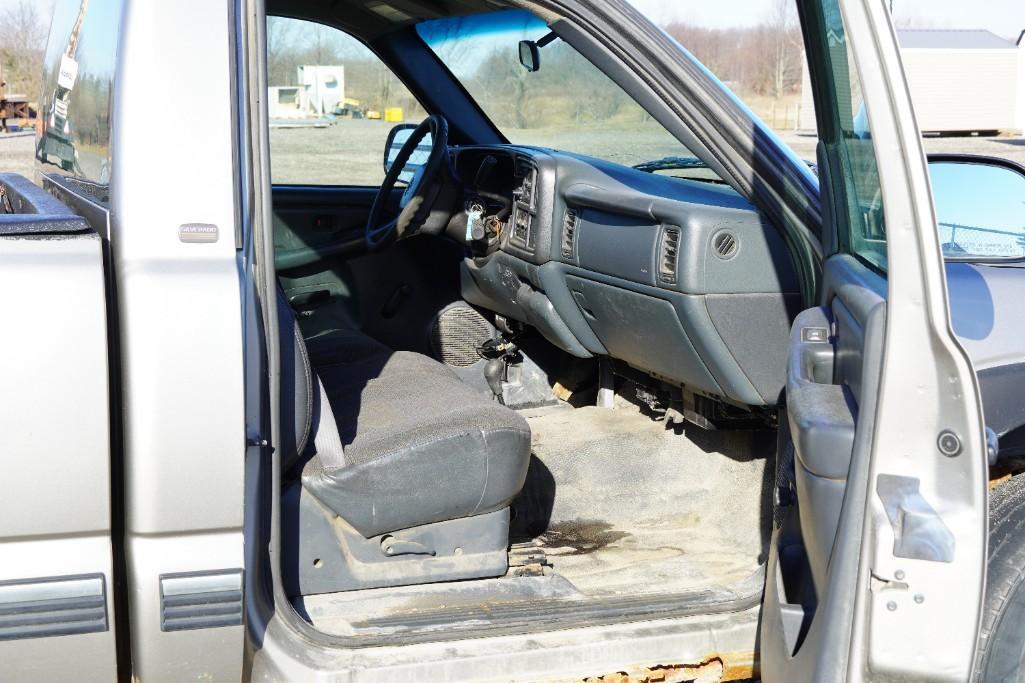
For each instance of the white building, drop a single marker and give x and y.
(961, 81)
(325, 87)
(321, 89)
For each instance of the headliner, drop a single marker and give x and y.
(371, 19)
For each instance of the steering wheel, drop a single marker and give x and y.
(422, 192)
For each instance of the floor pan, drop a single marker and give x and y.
(620, 503)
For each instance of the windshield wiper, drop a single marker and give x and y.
(670, 164)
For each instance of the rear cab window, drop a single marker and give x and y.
(74, 138)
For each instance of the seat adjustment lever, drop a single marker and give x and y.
(392, 546)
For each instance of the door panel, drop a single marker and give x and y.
(316, 231)
(320, 222)
(832, 376)
(393, 294)
(881, 516)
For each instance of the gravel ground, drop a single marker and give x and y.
(351, 152)
(16, 152)
(1006, 147)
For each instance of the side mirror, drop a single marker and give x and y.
(530, 55)
(980, 206)
(397, 137)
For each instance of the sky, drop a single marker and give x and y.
(1004, 17)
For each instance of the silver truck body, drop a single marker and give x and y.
(142, 483)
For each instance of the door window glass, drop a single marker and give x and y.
(845, 130)
(331, 103)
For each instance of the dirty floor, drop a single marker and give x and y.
(632, 517)
(622, 504)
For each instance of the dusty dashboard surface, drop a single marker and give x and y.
(666, 275)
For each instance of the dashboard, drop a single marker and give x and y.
(507, 183)
(683, 280)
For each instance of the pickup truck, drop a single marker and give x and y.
(644, 399)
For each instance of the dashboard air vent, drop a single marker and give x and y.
(725, 245)
(569, 234)
(668, 254)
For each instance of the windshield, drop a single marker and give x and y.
(566, 104)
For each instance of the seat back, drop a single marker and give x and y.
(296, 386)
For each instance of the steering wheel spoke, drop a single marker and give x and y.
(421, 193)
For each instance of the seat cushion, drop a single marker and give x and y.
(418, 446)
(349, 356)
(409, 402)
(391, 440)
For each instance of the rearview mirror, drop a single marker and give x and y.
(980, 206)
(530, 51)
(397, 137)
(530, 55)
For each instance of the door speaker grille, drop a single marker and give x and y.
(457, 333)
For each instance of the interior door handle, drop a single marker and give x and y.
(812, 351)
(309, 299)
(822, 414)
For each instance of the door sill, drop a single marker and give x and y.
(462, 610)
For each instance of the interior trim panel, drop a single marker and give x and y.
(666, 274)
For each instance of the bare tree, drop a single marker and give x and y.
(23, 29)
(758, 60)
(280, 46)
(785, 46)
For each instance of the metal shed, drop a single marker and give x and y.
(962, 81)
